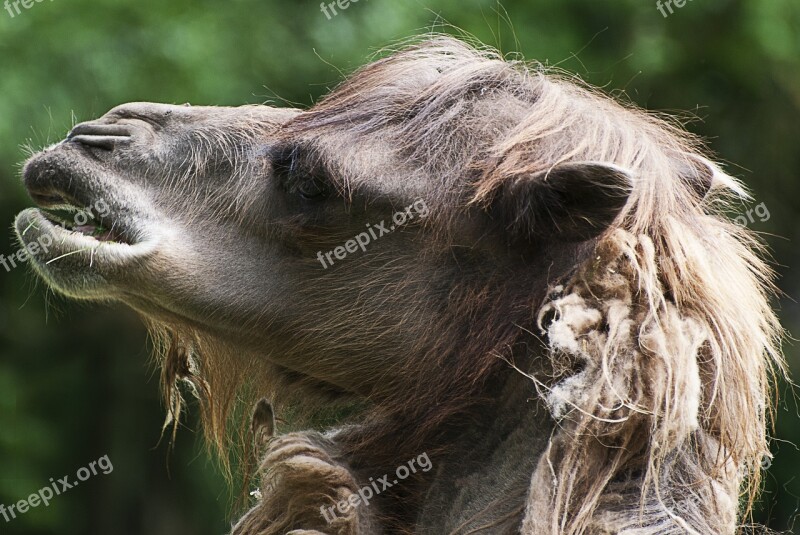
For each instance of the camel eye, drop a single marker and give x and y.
(298, 170)
(313, 190)
(284, 161)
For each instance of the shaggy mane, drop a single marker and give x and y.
(661, 340)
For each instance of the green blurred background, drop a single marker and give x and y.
(75, 380)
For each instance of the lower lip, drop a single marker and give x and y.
(48, 243)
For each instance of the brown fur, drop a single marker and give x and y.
(604, 371)
(685, 278)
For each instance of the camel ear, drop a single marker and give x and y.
(699, 175)
(574, 201)
(704, 176)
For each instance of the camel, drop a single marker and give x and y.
(573, 339)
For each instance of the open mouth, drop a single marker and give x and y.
(78, 251)
(81, 247)
(74, 238)
(87, 222)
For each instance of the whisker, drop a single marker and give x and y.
(68, 254)
(32, 225)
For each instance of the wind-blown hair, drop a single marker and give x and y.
(661, 341)
(669, 324)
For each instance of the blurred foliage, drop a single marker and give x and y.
(75, 381)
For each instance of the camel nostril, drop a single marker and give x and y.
(103, 136)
